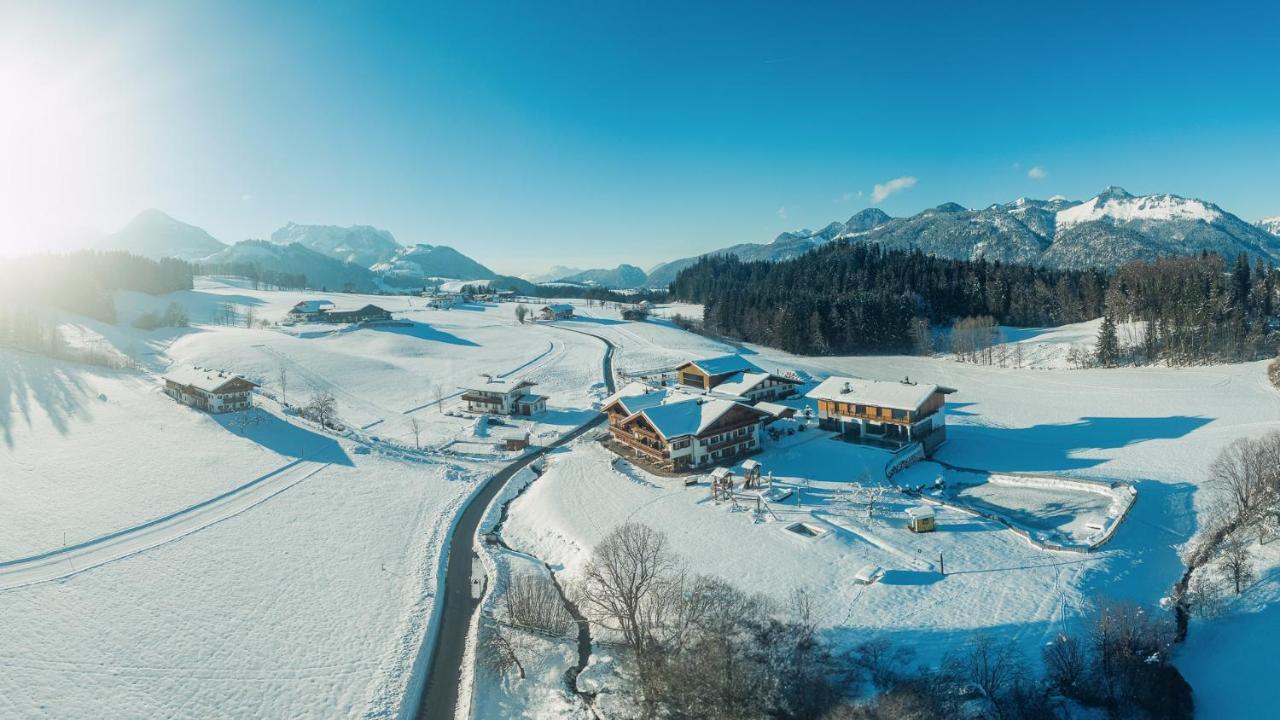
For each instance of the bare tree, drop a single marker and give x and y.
(249, 316)
(1065, 665)
(1204, 596)
(282, 376)
(321, 407)
(995, 667)
(1237, 564)
(438, 391)
(532, 601)
(628, 573)
(502, 655)
(416, 428)
(522, 312)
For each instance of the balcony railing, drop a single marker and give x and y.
(632, 442)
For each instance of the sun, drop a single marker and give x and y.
(58, 143)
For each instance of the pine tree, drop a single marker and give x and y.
(1108, 350)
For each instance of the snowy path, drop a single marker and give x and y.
(67, 561)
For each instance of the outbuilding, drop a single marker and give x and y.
(920, 519)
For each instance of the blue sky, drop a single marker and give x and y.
(593, 133)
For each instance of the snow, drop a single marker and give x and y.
(1149, 207)
(896, 395)
(269, 570)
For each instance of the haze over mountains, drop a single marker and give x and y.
(1107, 230)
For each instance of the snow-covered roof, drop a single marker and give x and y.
(895, 395)
(721, 473)
(511, 434)
(725, 364)
(751, 464)
(310, 306)
(920, 512)
(868, 574)
(559, 308)
(530, 398)
(637, 396)
(689, 417)
(775, 409)
(202, 378)
(488, 383)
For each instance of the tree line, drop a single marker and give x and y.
(83, 282)
(847, 298)
(261, 278)
(853, 297)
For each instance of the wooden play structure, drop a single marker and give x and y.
(751, 471)
(722, 484)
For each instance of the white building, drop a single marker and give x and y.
(559, 311)
(209, 390)
(503, 396)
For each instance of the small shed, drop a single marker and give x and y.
(920, 519)
(514, 439)
(868, 574)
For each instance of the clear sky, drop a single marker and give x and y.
(593, 133)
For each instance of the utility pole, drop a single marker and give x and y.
(942, 567)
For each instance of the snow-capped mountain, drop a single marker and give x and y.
(359, 244)
(321, 270)
(621, 277)
(154, 234)
(409, 266)
(1107, 230)
(1270, 224)
(787, 245)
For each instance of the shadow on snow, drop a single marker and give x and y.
(285, 438)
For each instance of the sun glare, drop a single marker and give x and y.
(57, 147)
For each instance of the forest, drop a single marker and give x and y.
(850, 298)
(83, 282)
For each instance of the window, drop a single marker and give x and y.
(899, 414)
(862, 409)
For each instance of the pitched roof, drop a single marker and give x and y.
(488, 383)
(724, 364)
(689, 417)
(895, 395)
(636, 396)
(209, 381)
(558, 308)
(310, 306)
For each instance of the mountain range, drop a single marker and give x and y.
(1107, 230)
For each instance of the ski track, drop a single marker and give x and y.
(68, 561)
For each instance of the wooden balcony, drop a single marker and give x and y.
(653, 452)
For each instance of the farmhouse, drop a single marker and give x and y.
(368, 313)
(442, 301)
(890, 413)
(734, 376)
(209, 390)
(499, 396)
(308, 310)
(683, 434)
(556, 312)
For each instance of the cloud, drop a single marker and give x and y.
(1037, 173)
(782, 212)
(884, 190)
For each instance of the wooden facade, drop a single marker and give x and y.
(734, 433)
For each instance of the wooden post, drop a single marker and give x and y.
(942, 566)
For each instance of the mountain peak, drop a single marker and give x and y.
(951, 207)
(155, 234)
(1114, 192)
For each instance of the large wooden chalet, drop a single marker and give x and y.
(209, 390)
(559, 311)
(502, 396)
(892, 413)
(368, 313)
(683, 434)
(735, 376)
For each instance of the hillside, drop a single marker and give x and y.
(361, 245)
(409, 266)
(154, 234)
(321, 271)
(621, 277)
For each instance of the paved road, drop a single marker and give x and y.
(440, 697)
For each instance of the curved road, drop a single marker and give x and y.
(439, 700)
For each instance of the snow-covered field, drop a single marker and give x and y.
(296, 574)
(267, 570)
(1155, 428)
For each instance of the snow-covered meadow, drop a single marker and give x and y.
(263, 569)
